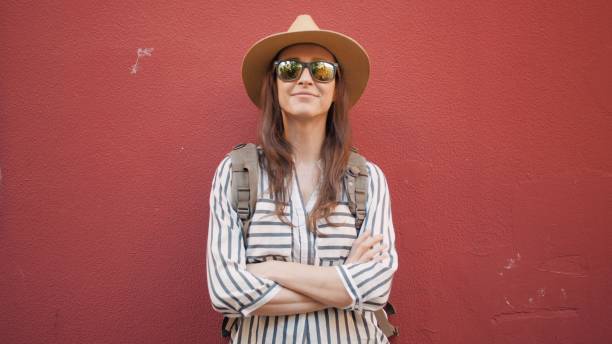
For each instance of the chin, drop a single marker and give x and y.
(303, 111)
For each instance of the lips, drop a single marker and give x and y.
(303, 94)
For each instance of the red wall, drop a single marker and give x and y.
(493, 123)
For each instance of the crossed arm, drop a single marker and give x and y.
(309, 288)
(304, 288)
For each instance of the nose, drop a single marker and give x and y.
(305, 78)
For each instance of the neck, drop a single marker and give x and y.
(306, 136)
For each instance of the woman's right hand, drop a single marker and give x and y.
(362, 251)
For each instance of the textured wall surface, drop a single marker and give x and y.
(491, 120)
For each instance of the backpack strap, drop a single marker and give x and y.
(384, 324)
(357, 190)
(245, 176)
(357, 186)
(226, 326)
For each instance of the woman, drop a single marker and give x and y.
(307, 275)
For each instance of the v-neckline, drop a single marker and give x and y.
(306, 206)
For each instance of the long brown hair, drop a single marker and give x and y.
(278, 152)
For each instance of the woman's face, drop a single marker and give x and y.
(321, 94)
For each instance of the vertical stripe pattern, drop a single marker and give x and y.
(236, 293)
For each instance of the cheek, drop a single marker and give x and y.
(282, 94)
(329, 94)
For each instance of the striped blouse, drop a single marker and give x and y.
(236, 293)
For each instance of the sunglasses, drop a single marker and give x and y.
(321, 71)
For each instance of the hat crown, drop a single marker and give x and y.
(303, 22)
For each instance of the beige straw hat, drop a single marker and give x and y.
(351, 56)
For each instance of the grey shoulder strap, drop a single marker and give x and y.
(382, 317)
(357, 190)
(357, 186)
(245, 176)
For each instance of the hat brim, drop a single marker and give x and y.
(352, 58)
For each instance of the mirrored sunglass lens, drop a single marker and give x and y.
(288, 70)
(323, 71)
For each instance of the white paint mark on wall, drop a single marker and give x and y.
(563, 294)
(511, 262)
(508, 302)
(141, 52)
(530, 300)
(542, 292)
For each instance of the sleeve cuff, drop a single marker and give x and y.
(351, 288)
(262, 300)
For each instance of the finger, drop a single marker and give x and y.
(358, 242)
(372, 241)
(371, 253)
(381, 254)
(364, 243)
(379, 251)
(376, 237)
(363, 237)
(381, 257)
(367, 245)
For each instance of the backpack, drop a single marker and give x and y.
(245, 177)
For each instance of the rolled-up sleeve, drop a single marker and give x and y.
(369, 284)
(233, 290)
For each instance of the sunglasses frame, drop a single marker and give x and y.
(306, 65)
